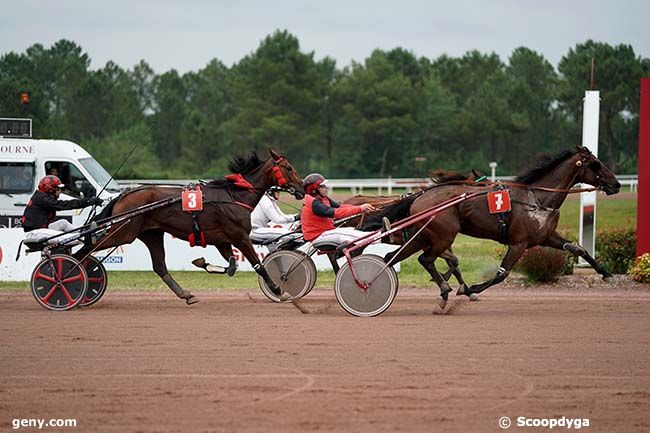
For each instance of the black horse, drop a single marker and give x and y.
(224, 220)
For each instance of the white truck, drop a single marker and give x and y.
(24, 161)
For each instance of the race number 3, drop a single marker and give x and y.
(192, 200)
(499, 201)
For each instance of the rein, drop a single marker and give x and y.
(515, 185)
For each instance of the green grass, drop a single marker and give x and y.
(477, 257)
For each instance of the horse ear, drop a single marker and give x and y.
(274, 154)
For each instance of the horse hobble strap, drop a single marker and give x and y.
(192, 200)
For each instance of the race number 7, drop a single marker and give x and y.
(499, 201)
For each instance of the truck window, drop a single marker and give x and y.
(75, 183)
(99, 174)
(16, 177)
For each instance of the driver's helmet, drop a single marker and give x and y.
(50, 184)
(273, 190)
(311, 183)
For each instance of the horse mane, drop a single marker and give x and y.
(545, 164)
(241, 165)
(442, 176)
(394, 212)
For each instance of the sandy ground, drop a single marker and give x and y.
(146, 362)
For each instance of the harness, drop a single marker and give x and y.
(501, 218)
(277, 173)
(192, 200)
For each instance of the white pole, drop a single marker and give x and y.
(493, 167)
(590, 122)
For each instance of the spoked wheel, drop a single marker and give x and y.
(59, 283)
(97, 281)
(312, 272)
(292, 271)
(377, 297)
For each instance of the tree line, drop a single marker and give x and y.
(392, 114)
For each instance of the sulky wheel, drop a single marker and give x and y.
(294, 272)
(312, 271)
(377, 297)
(59, 282)
(97, 281)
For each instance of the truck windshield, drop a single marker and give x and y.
(99, 174)
(16, 177)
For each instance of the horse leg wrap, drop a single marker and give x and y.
(578, 250)
(499, 276)
(216, 269)
(178, 290)
(269, 282)
(444, 290)
(574, 249)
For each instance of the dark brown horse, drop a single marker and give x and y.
(536, 198)
(438, 177)
(224, 220)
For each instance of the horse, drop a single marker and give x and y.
(223, 222)
(536, 197)
(438, 177)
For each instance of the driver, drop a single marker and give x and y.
(40, 212)
(319, 211)
(267, 211)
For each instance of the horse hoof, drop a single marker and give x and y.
(232, 267)
(608, 278)
(285, 297)
(442, 303)
(199, 263)
(473, 297)
(191, 300)
(462, 290)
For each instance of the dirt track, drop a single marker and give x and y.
(145, 362)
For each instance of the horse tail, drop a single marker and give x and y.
(394, 212)
(107, 211)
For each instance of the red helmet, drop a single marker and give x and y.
(50, 184)
(312, 181)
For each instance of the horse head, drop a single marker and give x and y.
(593, 172)
(285, 176)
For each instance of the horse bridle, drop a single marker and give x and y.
(280, 180)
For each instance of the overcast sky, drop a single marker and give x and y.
(187, 34)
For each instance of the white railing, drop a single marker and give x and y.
(357, 186)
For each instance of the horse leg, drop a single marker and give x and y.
(225, 249)
(154, 241)
(427, 260)
(558, 242)
(452, 262)
(246, 247)
(514, 253)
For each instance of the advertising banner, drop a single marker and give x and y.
(135, 256)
